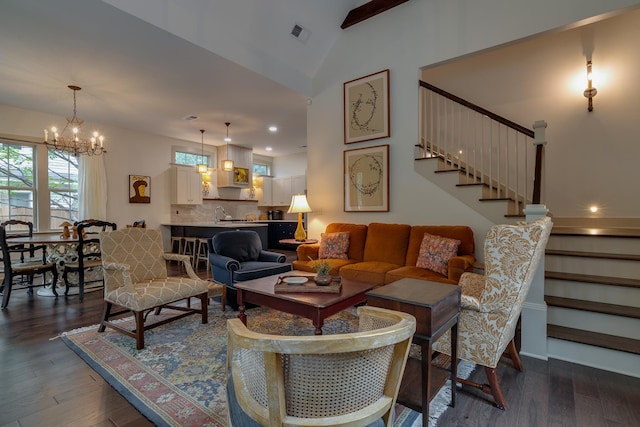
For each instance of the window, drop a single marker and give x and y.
(192, 159)
(63, 188)
(262, 165)
(260, 169)
(45, 199)
(17, 182)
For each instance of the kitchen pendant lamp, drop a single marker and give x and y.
(202, 167)
(227, 165)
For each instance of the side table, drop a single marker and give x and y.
(296, 242)
(436, 307)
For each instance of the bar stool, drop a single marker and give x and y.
(202, 253)
(178, 240)
(189, 248)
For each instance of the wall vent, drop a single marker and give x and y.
(300, 33)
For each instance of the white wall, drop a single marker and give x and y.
(405, 39)
(291, 165)
(590, 156)
(128, 153)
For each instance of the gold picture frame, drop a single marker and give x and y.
(366, 108)
(139, 189)
(241, 176)
(366, 179)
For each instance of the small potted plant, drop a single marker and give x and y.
(322, 272)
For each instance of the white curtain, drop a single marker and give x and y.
(92, 188)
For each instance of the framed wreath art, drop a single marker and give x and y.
(366, 179)
(366, 108)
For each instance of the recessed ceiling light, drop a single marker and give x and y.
(269, 149)
(273, 128)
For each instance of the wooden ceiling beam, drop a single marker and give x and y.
(368, 10)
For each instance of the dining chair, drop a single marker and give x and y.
(89, 256)
(17, 228)
(349, 379)
(21, 274)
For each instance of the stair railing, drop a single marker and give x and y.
(488, 149)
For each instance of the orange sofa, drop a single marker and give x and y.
(383, 253)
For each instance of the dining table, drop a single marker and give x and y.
(58, 250)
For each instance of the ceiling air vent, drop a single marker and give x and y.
(190, 117)
(300, 33)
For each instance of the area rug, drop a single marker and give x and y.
(178, 379)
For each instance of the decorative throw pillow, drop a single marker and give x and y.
(435, 253)
(334, 245)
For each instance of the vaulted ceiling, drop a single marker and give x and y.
(147, 64)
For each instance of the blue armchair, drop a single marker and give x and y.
(237, 255)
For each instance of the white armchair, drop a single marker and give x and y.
(135, 276)
(491, 303)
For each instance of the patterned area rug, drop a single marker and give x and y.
(178, 379)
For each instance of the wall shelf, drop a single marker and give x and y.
(233, 200)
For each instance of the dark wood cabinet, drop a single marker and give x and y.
(281, 230)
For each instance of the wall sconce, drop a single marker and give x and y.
(590, 91)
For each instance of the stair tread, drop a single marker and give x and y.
(593, 306)
(584, 254)
(589, 278)
(493, 199)
(613, 342)
(595, 232)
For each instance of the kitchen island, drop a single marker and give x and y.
(205, 230)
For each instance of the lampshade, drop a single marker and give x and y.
(299, 204)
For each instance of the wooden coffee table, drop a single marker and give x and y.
(314, 306)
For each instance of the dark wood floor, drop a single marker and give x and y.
(43, 383)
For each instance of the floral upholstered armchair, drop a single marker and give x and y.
(491, 303)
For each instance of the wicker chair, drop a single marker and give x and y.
(346, 379)
(135, 275)
(491, 303)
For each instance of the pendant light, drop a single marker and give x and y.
(227, 165)
(202, 168)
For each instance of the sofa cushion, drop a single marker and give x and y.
(414, 272)
(457, 232)
(367, 271)
(357, 237)
(435, 253)
(334, 245)
(334, 265)
(387, 243)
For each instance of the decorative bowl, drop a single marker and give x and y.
(323, 280)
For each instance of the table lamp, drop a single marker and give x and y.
(299, 205)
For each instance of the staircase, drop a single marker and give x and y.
(592, 277)
(487, 161)
(592, 291)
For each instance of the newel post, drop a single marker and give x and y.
(534, 310)
(540, 140)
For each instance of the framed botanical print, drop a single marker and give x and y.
(139, 189)
(366, 108)
(366, 179)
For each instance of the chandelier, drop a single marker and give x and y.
(70, 140)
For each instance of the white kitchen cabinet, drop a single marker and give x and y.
(242, 158)
(186, 186)
(278, 191)
(298, 184)
(281, 191)
(264, 190)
